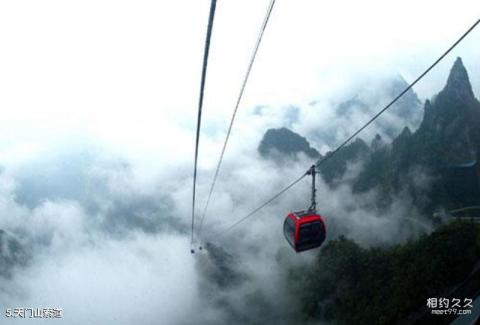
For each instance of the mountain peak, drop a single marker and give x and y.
(406, 132)
(285, 142)
(458, 80)
(377, 142)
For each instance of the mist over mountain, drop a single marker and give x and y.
(349, 114)
(434, 167)
(12, 254)
(445, 148)
(98, 123)
(115, 235)
(367, 101)
(443, 151)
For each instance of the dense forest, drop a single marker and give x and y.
(355, 285)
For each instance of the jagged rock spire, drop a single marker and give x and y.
(458, 81)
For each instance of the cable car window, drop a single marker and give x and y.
(309, 231)
(310, 235)
(289, 230)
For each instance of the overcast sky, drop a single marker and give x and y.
(126, 73)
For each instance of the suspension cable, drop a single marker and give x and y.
(200, 106)
(332, 153)
(286, 188)
(242, 89)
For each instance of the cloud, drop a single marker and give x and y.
(139, 279)
(79, 262)
(120, 251)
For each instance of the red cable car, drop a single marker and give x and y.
(305, 230)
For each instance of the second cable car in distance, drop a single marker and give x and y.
(305, 230)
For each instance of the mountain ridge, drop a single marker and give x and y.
(445, 148)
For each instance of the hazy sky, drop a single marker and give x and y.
(126, 73)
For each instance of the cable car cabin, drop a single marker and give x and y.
(304, 230)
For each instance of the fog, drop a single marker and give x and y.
(110, 247)
(98, 112)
